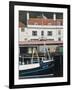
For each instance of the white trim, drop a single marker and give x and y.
(29, 66)
(39, 80)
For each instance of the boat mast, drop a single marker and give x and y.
(47, 51)
(49, 55)
(44, 49)
(34, 52)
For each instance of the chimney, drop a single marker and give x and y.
(54, 16)
(27, 17)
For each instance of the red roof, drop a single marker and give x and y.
(21, 24)
(42, 21)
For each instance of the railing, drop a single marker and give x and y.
(28, 60)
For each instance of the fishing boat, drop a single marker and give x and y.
(38, 65)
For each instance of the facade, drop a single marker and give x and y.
(40, 31)
(42, 28)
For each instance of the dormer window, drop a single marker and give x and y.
(35, 23)
(58, 23)
(22, 29)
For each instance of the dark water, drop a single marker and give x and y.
(58, 72)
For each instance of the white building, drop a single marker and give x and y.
(42, 29)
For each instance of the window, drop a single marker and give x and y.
(59, 23)
(49, 33)
(22, 29)
(42, 33)
(34, 33)
(59, 32)
(35, 23)
(59, 39)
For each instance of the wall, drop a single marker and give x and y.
(4, 44)
(28, 33)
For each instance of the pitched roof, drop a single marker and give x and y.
(42, 21)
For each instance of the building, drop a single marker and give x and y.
(40, 31)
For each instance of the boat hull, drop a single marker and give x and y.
(44, 69)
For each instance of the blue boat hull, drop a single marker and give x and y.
(44, 69)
